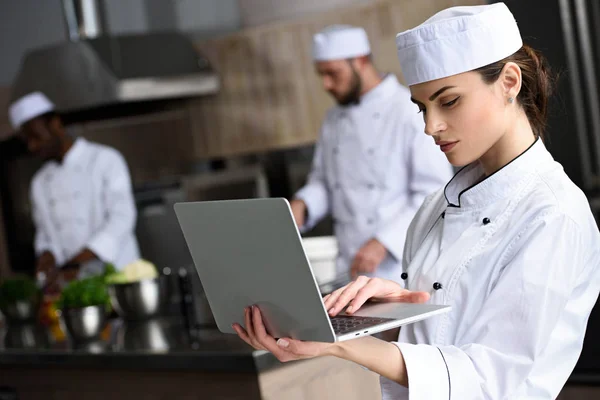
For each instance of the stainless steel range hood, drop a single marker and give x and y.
(92, 70)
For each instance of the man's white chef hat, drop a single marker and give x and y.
(29, 107)
(457, 40)
(339, 42)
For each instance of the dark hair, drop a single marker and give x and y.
(536, 88)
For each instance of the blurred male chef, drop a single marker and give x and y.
(82, 200)
(373, 164)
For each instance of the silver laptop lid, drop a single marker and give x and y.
(249, 252)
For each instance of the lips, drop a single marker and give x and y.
(446, 146)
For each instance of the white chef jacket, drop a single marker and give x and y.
(517, 257)
(85, 201)
(373, 167)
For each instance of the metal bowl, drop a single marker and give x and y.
(94, 346)
(84, 324)
(149, 335)
(26, 336)
(137, 300)
(22, 310)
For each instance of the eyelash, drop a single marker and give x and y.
(448, 104)
(451, 103)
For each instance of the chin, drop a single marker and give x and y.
(458, 161)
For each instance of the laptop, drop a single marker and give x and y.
(249, 252)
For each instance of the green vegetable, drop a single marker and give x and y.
(87, 292)
(17, 289)
(109, 269)
(116, 278)
(133, 272)
(84, 293)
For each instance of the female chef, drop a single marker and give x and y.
(510, 242)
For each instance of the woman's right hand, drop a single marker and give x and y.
(357, 292)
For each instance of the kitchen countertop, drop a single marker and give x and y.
(156, 344)
(160, 343)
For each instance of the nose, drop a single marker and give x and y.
(327, 83)
(433, 124)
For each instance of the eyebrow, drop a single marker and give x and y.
(435, 95)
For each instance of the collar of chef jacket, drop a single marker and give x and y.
(385, 89)
(464, 191)
(77, 153)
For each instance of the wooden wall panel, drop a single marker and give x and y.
(270, 97)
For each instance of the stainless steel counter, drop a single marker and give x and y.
(155, 344)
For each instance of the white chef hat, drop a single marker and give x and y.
(29, 107)
(339, 42)
(457, 40)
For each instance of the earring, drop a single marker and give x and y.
(511, 100)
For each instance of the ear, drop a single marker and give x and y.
(510, 80)
(359, 63)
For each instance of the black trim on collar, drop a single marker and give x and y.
(450, 181)
(489, 176)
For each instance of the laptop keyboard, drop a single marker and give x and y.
(348, 323)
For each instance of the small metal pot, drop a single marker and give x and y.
(138, 300)
(26, 336)
(84, 324)
(22, 310)
(149, 335)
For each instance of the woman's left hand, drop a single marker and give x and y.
(285, 349)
